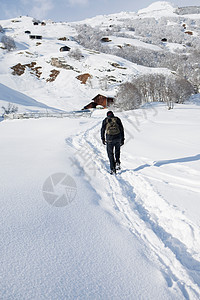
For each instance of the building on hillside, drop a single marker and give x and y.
(189, 32)
(103, 100)
(100, 100)
(65, 48)
(35, 37)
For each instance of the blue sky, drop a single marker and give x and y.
(74, 10)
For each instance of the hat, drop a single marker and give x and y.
(110, 113)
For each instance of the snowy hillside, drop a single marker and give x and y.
(66, 91)
(69, 229)
(134, 46)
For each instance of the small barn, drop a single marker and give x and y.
(65, 48)
(189, 32)
(105, 39)
(100, 100)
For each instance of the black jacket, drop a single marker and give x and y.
(109, 137)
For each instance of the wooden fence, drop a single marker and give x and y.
(37, 115)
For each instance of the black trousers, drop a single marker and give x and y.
(113, 150)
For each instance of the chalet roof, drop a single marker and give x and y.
(97, 96)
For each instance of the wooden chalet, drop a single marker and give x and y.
(100, 100)
(103, 100)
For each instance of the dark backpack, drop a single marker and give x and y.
(112, 127)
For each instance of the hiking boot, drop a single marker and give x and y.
(113, 171)
(118, 166)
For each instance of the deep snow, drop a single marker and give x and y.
(78, 251)
(131, 236)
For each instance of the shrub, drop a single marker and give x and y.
(75, 53)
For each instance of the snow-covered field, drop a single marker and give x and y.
(130, 236)
(69, 229)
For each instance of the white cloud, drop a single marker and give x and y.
(81, 2)
(41, 8)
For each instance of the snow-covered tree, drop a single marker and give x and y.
(151, 88)
(128, 97)
(8, 42)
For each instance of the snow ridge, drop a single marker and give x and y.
(159, 7)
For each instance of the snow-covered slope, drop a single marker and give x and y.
(70, 230)
(23, 102)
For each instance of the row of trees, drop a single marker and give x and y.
(186, 66)
(149, 30)
(153, 87)
(173, 28)
(185, 62)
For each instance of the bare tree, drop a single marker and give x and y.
(11, 108)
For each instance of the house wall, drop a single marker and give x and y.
(100, 100)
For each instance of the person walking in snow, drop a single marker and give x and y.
(114, 130)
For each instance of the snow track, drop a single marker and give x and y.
(172, 241)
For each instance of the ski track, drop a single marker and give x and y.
(171, 239)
